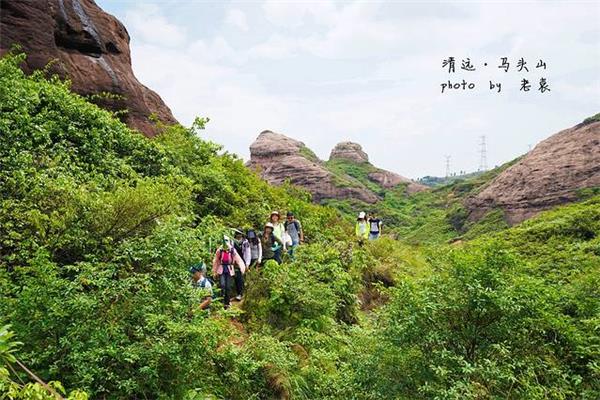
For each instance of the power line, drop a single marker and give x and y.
(447, 165)
(482, 154)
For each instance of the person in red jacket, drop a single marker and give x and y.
(225, 258)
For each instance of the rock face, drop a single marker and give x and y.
(349, 151)
(389, 180)
(548, 176)
(279, 158)
(87, 46)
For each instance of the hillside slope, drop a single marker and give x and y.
(550, 175)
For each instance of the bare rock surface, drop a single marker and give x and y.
(86, 45)
(279, 158)
(548, 176)
(349, 151)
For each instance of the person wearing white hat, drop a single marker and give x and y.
(362, 228)
(279, 232)
(223, 262)
(270, 244)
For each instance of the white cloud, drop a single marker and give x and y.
(324, 72)
(151, 26)
(294, 14)
(275, 47)
(237, 18)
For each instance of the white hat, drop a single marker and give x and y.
(361, 214)
(274, 213)
(269, 225)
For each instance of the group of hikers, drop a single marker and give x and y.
(248, 249)
(367, 227)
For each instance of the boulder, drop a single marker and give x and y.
(349, 151)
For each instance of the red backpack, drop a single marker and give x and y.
(226, 257)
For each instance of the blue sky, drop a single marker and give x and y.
(323, 72)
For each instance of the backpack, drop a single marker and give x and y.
(374, 225)
(226, 257)
(239, 248)
(203, 283)
(296, 224)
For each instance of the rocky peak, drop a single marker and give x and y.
(349, 151)
(270, 143)
(279, 158)
(87, 46)
(549, 175)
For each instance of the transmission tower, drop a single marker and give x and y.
(482, 154)
(447, 166)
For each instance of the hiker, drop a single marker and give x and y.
(200, 281)
(255, 248)
(375, 227)
(225, 257)
(242, 247)
(293, 228)
(270, 244)
(362, 228)
(279, 232)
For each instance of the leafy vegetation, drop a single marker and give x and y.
(358, 171)
(98, 226)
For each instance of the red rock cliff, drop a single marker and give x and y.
(548, 176)
(89, 46)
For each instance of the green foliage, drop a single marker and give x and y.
(593, 118)
(480, 328)
(492, 221)
(315, 291)
(11, 389)
(309, 154)
(360, 172)
(98, 226)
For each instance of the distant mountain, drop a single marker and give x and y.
(347, 175)
(434, 181)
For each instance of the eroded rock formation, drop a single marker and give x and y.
(349, 151)
(87, 46)
(279, 158)
(549, 175)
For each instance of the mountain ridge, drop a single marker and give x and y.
(347, 174)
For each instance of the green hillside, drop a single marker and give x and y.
(98, 226)
(429, 217)
(358, 171)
